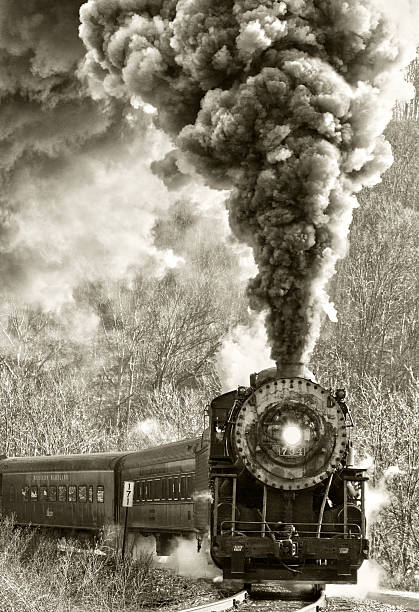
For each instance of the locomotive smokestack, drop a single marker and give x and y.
(290, 370)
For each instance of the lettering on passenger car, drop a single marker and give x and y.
(57, 476)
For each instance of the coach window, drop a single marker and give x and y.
(43, 493)
(34, 493)
(176, 492)
(72, 493)
(159, 493)
(90, 494)
(164, 488)
(83, 493)
(100, 494)
(62, 493)
(170, 489)
(25, 493)
(188, 487)
(183, 487)
(53, 493)
(156, 494)
(137, 492)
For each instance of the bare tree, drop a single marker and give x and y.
(44, 407)
(388, 430)
(375, 292)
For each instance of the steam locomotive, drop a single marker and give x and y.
(287, 502)
(270, 482)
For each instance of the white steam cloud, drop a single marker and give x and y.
(244, 351)
(96, 220)
(184, 558)
(378, 497)
(371, 574)
(78, 199)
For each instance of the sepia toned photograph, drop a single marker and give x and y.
(209, 305)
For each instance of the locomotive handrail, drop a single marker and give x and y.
(228, 526)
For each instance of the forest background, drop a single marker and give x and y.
(132, 364)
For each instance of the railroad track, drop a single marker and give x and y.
(275, 602)
(243, 602)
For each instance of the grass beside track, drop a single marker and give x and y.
(37, 577)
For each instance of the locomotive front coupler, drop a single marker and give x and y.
(285, 549)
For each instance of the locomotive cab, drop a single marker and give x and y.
(287, 503)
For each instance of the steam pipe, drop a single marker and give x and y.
(321, 513)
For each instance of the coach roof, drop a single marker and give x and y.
(62, 463)
(175, 451)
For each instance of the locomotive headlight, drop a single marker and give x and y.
(292, 435)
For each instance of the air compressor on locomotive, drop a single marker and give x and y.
(287, 502)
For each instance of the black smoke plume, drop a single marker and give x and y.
(284, 103)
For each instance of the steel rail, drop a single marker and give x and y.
(221, 605)
(316, 605)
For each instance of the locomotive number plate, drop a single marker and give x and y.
(286, 451)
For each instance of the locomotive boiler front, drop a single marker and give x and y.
(289, 433)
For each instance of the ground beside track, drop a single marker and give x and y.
(343, 604)
(386, 600)
(407, 599)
